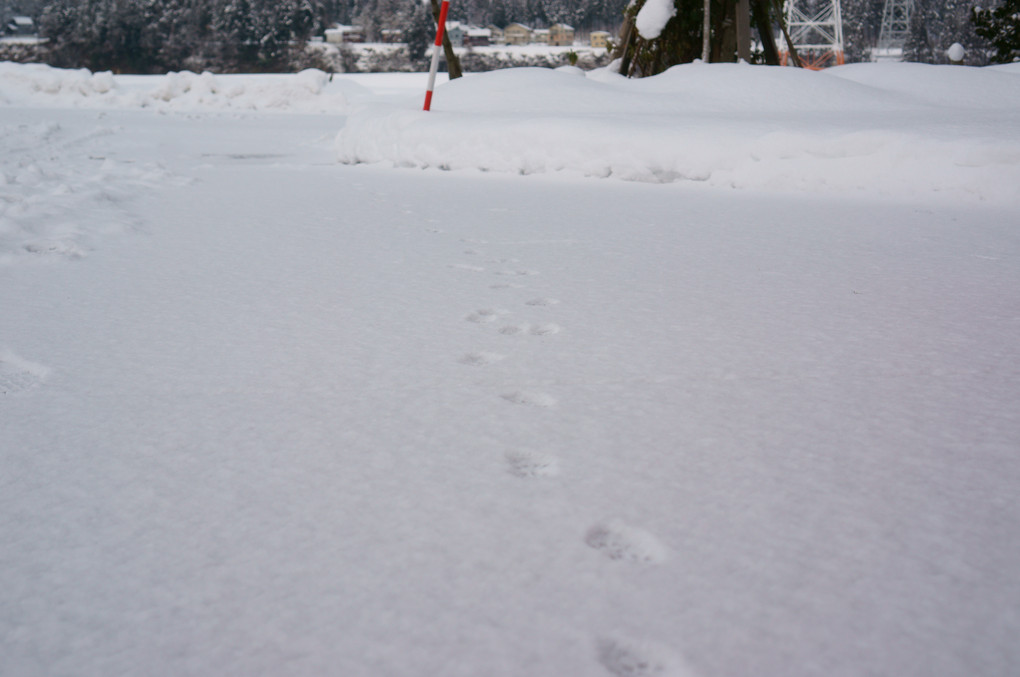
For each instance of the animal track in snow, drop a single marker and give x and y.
(18, 375)
(528, 463)
(617, 540)
(480, 359)
(530, 399)
(517, 273)
(635, 658)
(484, 316)
(544, 329)
(541, 302)
(533, 329)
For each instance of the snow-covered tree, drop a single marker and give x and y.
(419, 31)
(936, 24)
(1001, 27)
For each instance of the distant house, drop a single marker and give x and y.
(456, 31)
(21, 27)
(496, 36)
(477, 37)
(341, 34)
(599, 39)
(392, 35)
(561, 35)
(517, 34)
(540, 35)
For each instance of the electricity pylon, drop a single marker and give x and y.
(895, 29)
(816, 30)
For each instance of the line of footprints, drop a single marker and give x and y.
(617, 540)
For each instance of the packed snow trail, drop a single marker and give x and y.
(271, 414)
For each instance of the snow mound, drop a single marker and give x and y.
(895, 132)
(310, 91)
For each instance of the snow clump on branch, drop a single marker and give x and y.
(653, 17)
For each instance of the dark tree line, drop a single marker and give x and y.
(936, 24)
(151, 36)
(1001, 27)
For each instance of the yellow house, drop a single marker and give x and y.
(599, 39)
(561, 35)
(517, 34)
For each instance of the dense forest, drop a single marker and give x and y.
(150, 36)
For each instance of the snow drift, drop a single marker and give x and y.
(893, 129)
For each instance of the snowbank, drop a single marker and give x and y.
(310, 91)
(894, 130)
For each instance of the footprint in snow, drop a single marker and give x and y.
(532, 329)
(484, 316)
(530, 399)
(620, 541)
(544, 329)
(480, 359)
(466, 266)
(517, 273)
(639, 658)
(18, 375)
(541, 302)
(528, 463)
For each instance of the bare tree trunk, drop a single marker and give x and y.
(452, 60)
(760, 16)
(706, 32)
(786, 34)
(623, 50)
(725, 48)
(743, 20)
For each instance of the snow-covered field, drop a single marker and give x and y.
(753, 410)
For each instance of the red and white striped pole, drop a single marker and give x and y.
(443, 9)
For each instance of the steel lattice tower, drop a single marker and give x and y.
(816, 29)
(895, 28)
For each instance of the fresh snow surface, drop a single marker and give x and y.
(899, 130)
(267, 413)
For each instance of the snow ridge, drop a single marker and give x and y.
(734, 126)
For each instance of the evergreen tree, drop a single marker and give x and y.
(1001, 27)
(419, 32)
(935, 25)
